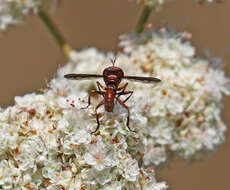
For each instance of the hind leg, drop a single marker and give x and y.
(97, 117)
(127, 108)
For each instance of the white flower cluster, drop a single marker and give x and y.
(46, 144)
(46, 141)
(157, 3)
(13, 11)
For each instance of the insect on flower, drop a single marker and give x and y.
(112, 77)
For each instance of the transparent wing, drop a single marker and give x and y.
(142, 79)
(82, 76)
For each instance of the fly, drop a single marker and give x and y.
(112, 77)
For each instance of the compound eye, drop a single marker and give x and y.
(120, 73)
(106, 73)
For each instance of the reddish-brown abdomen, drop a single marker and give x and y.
(109, 100)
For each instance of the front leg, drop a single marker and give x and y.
(91, 93)
(100, 87)
(122, 90)
(123, 87)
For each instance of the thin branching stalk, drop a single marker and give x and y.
(55, 33)
(143, 19)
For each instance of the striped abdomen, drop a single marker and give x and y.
(109, 99)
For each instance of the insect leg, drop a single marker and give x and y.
(98, 123)
(123, 87)
(91, 93)
(125, 93)
(127, 108)
(100, 87)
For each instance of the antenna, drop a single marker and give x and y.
(113, 60)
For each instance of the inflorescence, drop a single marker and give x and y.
(46, 141)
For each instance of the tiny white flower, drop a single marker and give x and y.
(155, 186)
(114, 186)
(129, 169)
(81, 136)
(27, 178)
(154, 155)
(101, 156)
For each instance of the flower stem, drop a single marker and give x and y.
(55, 33)
(143, 19)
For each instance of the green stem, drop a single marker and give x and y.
(55, 33)
(143, 19)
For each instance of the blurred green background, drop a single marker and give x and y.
(29, 58)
